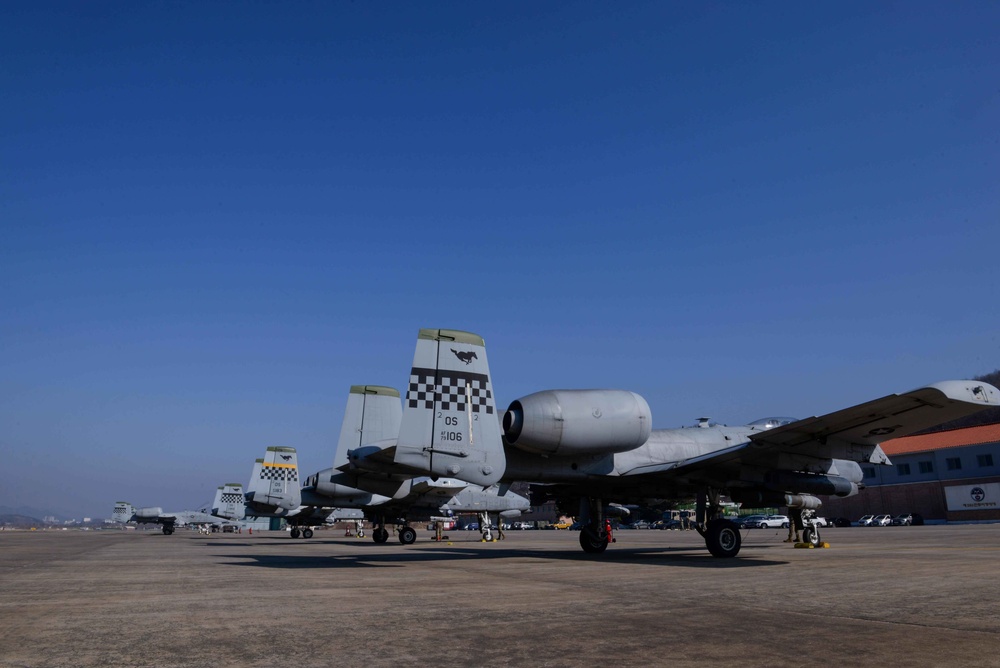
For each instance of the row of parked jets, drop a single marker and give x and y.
(447, 450)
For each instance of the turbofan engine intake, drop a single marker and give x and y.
(578, 422)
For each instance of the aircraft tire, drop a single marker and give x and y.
(810, 535)
(591, 542)
(380, 536)
(307, 533)
(407, 536)
(295, 532)
(722, 538)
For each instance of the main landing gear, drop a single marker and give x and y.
(379, 533)
(407, 536)
(722, 537)
(301, 533)
(167, 529)
(595, 535)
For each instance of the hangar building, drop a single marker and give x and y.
(945, 476)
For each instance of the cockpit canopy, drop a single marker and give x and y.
(772, 422)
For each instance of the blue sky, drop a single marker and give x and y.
(217, 217)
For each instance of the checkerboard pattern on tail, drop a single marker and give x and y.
(450, 390)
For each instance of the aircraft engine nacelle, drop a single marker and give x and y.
(513, 512)
(578, 422)
(148, 513)
(809, 483)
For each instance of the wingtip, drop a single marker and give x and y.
(969, 391)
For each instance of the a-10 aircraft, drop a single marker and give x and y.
(374, 414)
(274, 492)
(598, 446)
(125, 512)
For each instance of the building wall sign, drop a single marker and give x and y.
(973, 497)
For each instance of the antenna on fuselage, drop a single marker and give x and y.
(704, 422)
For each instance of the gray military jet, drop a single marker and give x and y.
(125, 512)
(374, 416)
(274, 492)
(598, 446)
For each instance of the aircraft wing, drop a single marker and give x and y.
(852, 433)
(870, 423)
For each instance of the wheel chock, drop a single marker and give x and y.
(804, 546)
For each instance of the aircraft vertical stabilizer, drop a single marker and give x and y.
(275, 479)
(373, 414)
(449, 425)
(229, 502)
(123, 511)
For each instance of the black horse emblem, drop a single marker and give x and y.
(286, 457)
(465, 357)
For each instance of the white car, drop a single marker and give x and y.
(866, 521)
(775, 522)
(882, 521)
(764, 522)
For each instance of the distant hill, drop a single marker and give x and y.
(20, 521)
(988, 416)
(31, 511)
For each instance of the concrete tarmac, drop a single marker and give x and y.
(898, 596)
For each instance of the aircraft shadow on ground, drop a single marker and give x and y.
(390, 556)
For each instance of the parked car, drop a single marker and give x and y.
(866, 521)
(903, 520)
(765, 522)
(918, 519)
(821, 522)
(841, 522)
(472, 526)
(753, 521)
(667, 524)
(882, 521)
